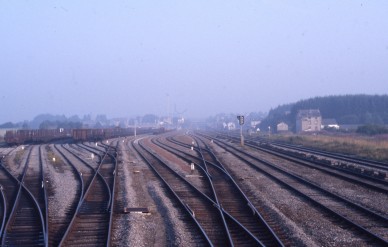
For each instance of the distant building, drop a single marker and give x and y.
(349, 127)
(329, 123)
(282, 127)
(308, 121)
(231, 126)
(254, 123)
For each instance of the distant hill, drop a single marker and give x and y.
(346, 109)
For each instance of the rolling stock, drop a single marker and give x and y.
(22, 136)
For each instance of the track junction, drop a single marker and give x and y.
(189, 188)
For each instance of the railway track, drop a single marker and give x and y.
(338, 156)
(367, 169)
(371, 225)
(91, 223)
(26, 223)
(58, 223)
(210, 202)
(341, 183)
(205, 218)
(325, 166)
(238, 212)
(242, 208)
(8, 189)
(262, 229)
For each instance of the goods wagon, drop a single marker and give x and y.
(100, 134)
(88, 134)
(17, 137)
(157, 131)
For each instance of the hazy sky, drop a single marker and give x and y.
(127, 58)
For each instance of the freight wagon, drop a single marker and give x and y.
(17, 137)
(88, 134)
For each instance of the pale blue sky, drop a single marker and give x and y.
(123, 58)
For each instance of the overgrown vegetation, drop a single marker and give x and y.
(366, 147)
(19, 156)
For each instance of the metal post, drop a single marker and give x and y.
(241, 136)
(135, 127)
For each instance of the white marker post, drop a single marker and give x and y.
(192, 167)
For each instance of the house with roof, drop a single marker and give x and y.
(282, 127)
(308, 121)
(329, 123)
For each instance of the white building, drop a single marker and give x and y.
(282, 126)
(308, 120)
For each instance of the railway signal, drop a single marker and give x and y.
(240, 119)
(241, 122)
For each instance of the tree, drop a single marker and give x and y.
(8, 125)
(150, 118)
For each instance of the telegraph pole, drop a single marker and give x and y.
(241, 122)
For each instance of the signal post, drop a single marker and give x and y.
(241, 122)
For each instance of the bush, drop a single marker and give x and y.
(372, 130)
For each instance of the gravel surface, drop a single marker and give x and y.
(375, 200)
(303, 223)
(62, 184)
(297, 222)
(135, 229)
(140, 188)
(16, 160)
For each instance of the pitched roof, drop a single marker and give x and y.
(309, 113)
(329, 121)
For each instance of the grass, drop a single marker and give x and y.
(58, 163)
(362, 146)
(18, 156)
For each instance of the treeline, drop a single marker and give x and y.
(346, 109)
(60, 124)
(372, 129)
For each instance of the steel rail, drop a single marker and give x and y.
(183, 204)
(3, 197)
(369, 182)
(29, 195)
(372, 183)
(115, 174)
(375, 237)
(44, 193)
(248, 202)
(71, 225)
(4, 202)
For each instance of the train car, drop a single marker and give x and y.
(11, 137)
(79, 134)
(157, 131)
(88, 134)
(17, 137)
(119, 132)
